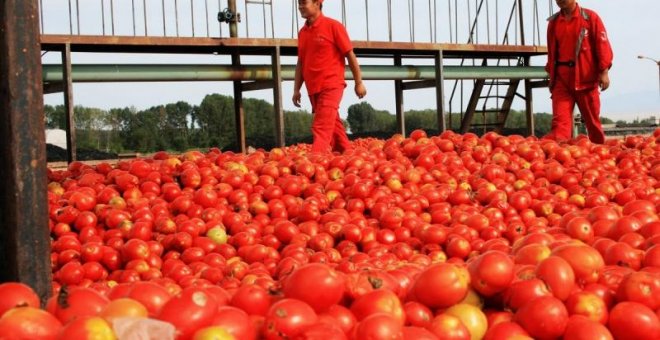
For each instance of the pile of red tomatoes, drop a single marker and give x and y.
(427, 237)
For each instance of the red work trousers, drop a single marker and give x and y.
(327, 129)
(563, 103)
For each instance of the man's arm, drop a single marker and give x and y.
(297, 84)
(604, 53)
(360, 90)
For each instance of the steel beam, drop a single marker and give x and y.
(25, 243)
(440, 91)
(180, 72)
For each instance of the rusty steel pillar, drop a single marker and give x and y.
(398, 98)
(68, 105)
(277, 97)
(25, 243)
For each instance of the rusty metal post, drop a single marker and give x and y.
(277, 98)
(239, 113)
(398, 98)
(529, 106)
(440, 91)
(25, 244)
(68, 105)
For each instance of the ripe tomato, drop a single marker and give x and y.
(642, 287)
(29, 323)
(585, 261)
(453, 278)
(88, 327)
(543, 318)
(587, 304)
(378, 301)
(491, 273)
(123, 307)
(472, 318)
(379, 326)
(15, 294)
(235, 321)
(76, 302)
(195, 304)
(633, 320)
(506, 330)
(286, 318)
(446, 326)
(581, 327)
(557, 275)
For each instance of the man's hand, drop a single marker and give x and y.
(360, 90)
(296, 98)
(604, 80)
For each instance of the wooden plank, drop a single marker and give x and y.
(25, 242)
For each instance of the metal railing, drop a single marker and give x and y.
(445, 21)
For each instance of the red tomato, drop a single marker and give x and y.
(87, 327)
(253, 299)
(453, 278)
(543, 318)
(585, 261)
(642, 287)
(76, 302)
(632, 320)
(589, 305)
(286, 318)
(29, 323)
(235, 321)
(342, 316)
(491, 273)
(449, 327)
(417, 314)
(378, 301)
(506, 330)
(151, 295)
(379, 326)
(307, 281)
(189, 311)
(581, 327)
(557, 275)
(15, 294)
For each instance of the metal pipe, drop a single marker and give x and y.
(185, 72)
(233, 26)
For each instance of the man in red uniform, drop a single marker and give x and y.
(579, 59)
(323, 46)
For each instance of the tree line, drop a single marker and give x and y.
(181, 126)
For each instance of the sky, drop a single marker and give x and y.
(632, 26)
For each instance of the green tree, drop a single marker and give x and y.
(363, 118)
(55, 116)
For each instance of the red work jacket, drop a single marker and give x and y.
(593, 53)
(322, 50)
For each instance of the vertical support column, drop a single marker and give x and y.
(440, 91)
(25, 243)
(522, 22)
(277, 97)
(398, 97)
(529, 107)
(239, 113)
(70, 126)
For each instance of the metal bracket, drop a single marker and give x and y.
(228, 16)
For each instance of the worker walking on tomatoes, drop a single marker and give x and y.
(579, 59)
(323, 47)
